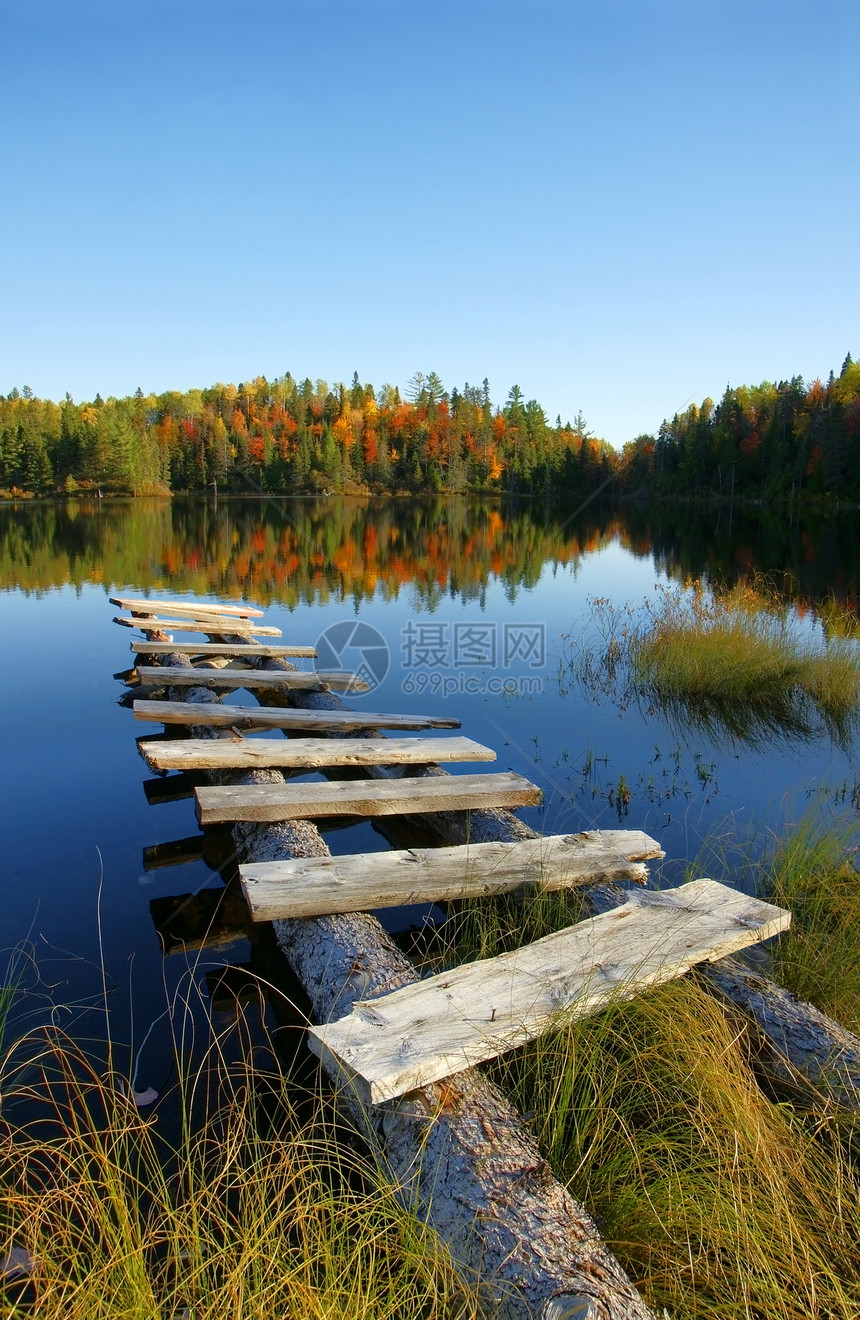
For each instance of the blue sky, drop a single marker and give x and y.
(620, 206)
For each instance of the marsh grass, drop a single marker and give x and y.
(253, 1212)
(718, 1202)
(737, 661)
(812, 872)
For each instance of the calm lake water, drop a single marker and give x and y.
(473, 601)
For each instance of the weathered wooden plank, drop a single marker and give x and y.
(229, 649)
(190, 676)
(260, 717)
(309, 753)
(422, 1033)
(363, 797)
(364, 882)
(211, 625)
(196, 608)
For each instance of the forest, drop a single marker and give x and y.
(768, 442)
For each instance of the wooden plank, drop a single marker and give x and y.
(270, 717)
(422, 1033)
(237, 650)
(364, 797)
(309, 753)
(319, 680)
(197, 608)
(212, 626)
(364, 882)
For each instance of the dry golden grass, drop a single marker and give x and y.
(720, 1203)
(251, 1214)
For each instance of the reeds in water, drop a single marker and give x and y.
(736, 661)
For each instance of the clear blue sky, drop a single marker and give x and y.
(619, 206)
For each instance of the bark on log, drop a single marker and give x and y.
(797, 1038)
(458, 1151)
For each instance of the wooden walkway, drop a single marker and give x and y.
(424, 1032)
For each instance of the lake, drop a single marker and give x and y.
(466, 608)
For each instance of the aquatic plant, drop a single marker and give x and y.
(733, 661)
(812, 871)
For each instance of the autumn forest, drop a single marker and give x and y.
(771, 442)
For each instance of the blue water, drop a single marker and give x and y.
(74, 816)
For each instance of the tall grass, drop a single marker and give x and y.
(812, 873)
(718, 1202)
(251, 1213)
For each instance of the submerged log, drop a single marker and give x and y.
(456, 1151)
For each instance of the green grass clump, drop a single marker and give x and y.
(738, 661)
(251, 1214)
(720, 1203)
(812, 873)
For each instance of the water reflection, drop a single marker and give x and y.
(320, 550)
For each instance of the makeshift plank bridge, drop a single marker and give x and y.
(439, 1026)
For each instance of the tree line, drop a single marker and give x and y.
(766, 442)
(297, 437)
(769, 442)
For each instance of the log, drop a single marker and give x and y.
(458, 1154)
(799, 1041)
(363, 797)
(364, 882)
